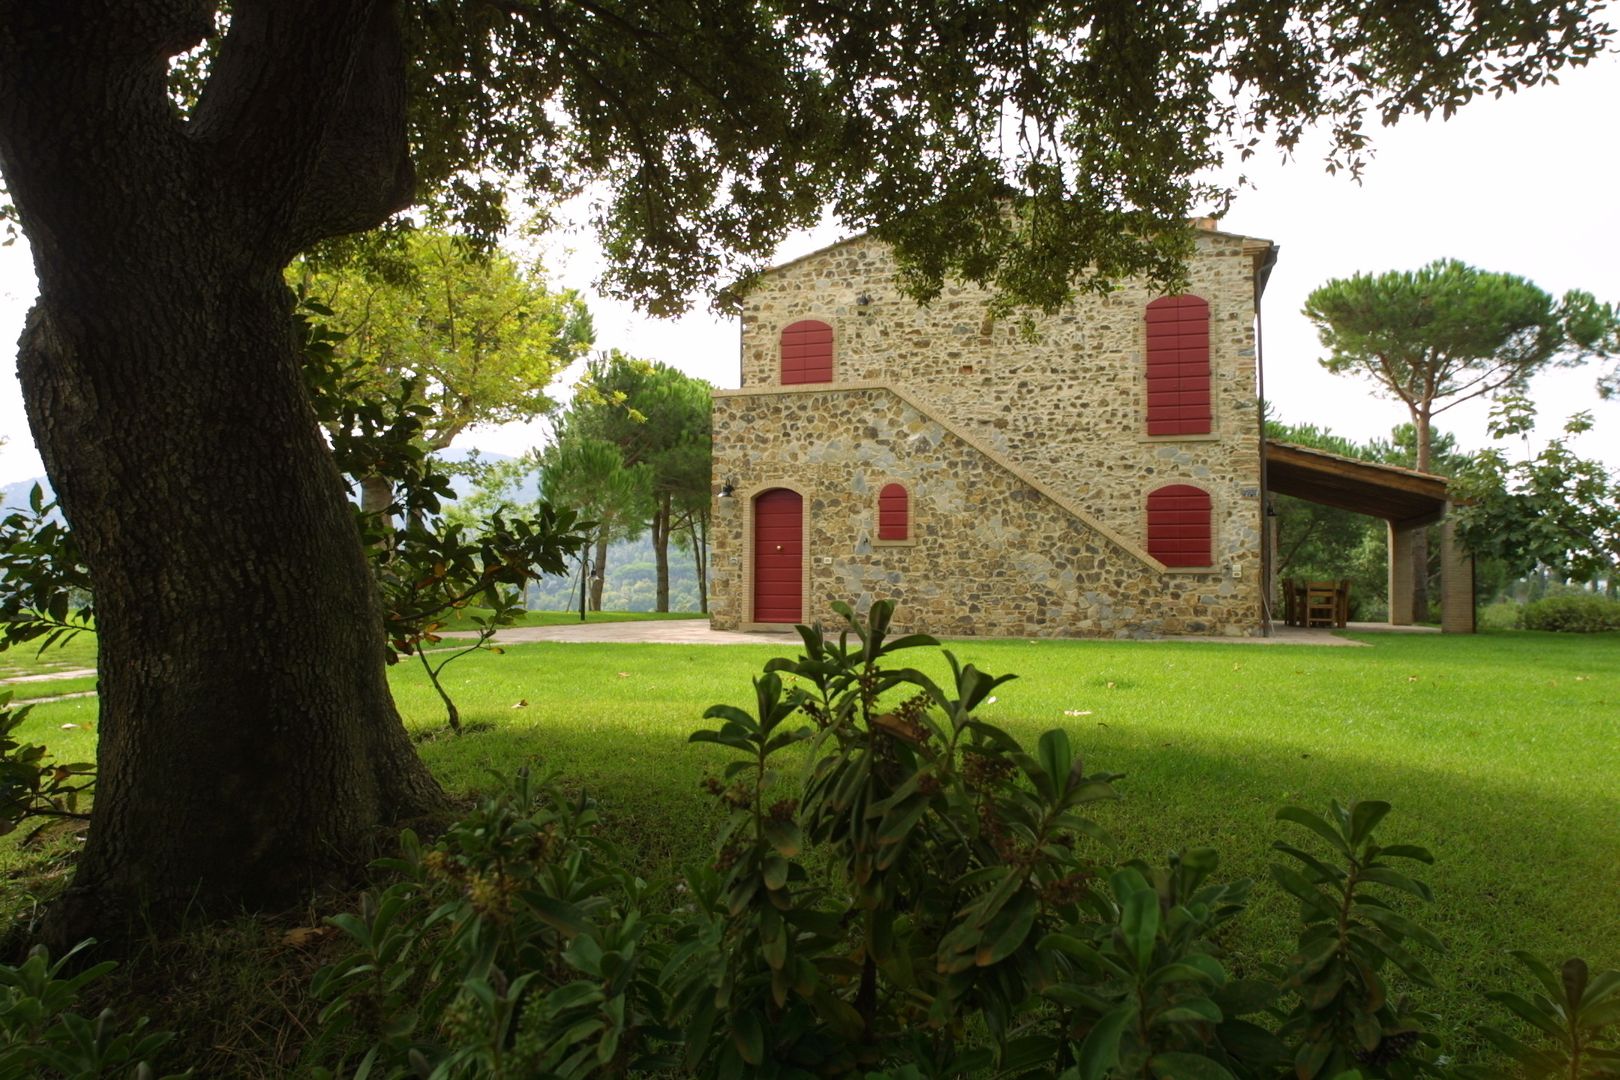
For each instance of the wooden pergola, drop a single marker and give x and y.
(1405, 499)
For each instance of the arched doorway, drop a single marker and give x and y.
(778, 556)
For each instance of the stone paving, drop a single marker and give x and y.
(699, 632)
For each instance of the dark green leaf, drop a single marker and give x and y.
(1100, 1051)
(1180, 1066)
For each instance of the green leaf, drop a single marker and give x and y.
(1406, 851)
(1139, 922)
(1008, 931)
(1190, 1010)
(1055, 755)
(1397, 925)
(560, 914)
(785, 836)
(1397, 955)
(1383, 875)
(1179, 972)
(1314, 822)
(776, 872)
(898, 822)
(1307, 893)
(749, 1038)
(1180, 1066)
(1099, 1053)
(1529, 1013)
(1364, 818)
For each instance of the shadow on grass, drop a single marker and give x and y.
(1517, 867)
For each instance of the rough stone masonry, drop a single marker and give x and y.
(1026, 456)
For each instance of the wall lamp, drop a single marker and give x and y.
(727, 490)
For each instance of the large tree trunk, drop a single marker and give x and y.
(248, 744)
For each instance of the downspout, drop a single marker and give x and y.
(1262, 275)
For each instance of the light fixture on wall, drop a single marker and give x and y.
(727, 490)
(864, 300)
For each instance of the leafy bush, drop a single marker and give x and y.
(511, 947)
(41, 1037)
(1571, 613)
(31, 783)
(46, 590)
(1572, 1016)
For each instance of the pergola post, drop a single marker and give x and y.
(1400, 576)
(1456, 583)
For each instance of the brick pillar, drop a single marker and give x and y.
(1456, 584)
(1400, 576)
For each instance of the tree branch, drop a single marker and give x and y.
(306, 110)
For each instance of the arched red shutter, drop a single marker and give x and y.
(1178, 401)
(894, 513)
(1179, 532)
(807, 353)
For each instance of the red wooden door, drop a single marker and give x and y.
(779, 557)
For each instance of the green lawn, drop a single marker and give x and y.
(77, 653)
(1500, 753)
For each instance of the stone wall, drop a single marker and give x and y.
(1062, 402)
(991, 554)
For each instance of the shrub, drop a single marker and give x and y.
(511, 947)
(40, 1035)
(1571, 613)
(31, 783)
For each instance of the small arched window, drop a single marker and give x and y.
(1178, 401)
(807, 353)
(1179, 532)
(894, 513)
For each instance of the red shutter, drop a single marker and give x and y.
(778, 557)
(1178, 401)
(1179, 526)
(807, 353)
(894, 513)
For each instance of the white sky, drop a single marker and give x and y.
(1526, 184)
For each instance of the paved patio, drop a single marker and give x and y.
(698, 632)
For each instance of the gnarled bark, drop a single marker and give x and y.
(249, 747)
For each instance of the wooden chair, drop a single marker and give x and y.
(1342, 612)
(1321, 603)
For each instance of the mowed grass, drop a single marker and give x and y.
(1499, 752)
(77, 653)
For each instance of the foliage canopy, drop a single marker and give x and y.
(715, 130)
(1449, 333)
(480, 336)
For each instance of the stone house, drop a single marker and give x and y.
(1101, 477)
